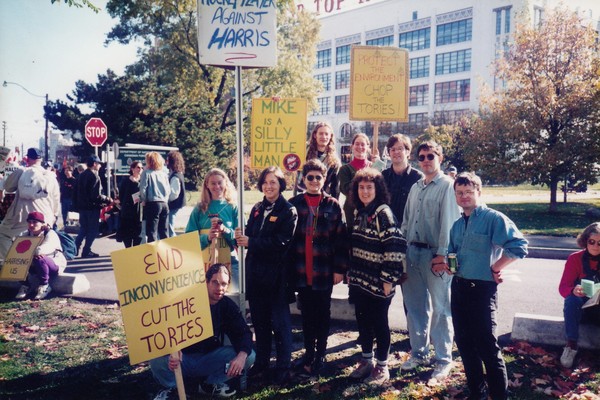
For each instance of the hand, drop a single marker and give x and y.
(387, 288)
(497, 276)
(438, 265)
(236, 366)
(578, 291)
(175, 361)
(240, 239)
(337, 278)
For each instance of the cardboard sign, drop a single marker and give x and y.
(19, 258)
(378, 84)
(278, 135)
(163, 295)
(237, 33)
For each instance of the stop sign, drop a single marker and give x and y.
(96, 132)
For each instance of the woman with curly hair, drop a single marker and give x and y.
(176, 167)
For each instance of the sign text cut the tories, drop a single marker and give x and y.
(163, 296)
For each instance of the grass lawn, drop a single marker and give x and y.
(66, 349)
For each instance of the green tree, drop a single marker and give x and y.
(542, 125)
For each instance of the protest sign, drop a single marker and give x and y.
(19, 257)
(163, 296)
(278, 135)
(379, 84)
(237, 33)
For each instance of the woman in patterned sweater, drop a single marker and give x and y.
(376, 264)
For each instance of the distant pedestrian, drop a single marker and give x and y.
(154, 193)
(485, 242)
(130, 229)
(176, 167)
(584, 264)
(67, 185)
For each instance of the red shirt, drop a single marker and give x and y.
(574, 273)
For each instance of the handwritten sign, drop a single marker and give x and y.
(325, 8)
(278, 135)
(19, 258)
(237, 32)
(379, 84)
(163, 296)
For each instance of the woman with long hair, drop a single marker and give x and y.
(215, 219)
(176, 167)
(154, 193)
(130, 229)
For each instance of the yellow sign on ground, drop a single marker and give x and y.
(378, 84)
(19, 257)
(278, 135)
(163, 296)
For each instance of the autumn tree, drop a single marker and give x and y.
(541, 125)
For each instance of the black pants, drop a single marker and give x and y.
(157, 220)
(474, 305)
(372, 320)
(316, 319)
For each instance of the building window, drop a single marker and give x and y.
(419, 67)
(323, 103)
(416, 124)
(507, 20)
(382, 41)
(325, 79)
(451, 92)
(499, 12)
(416, 40)
(324, 58)
(454, 32)
(342, 54)
(342, 104)
(456, 61)
(342, 79)
(419, 95)
(498, 21)
(449, 117)
(538, 16)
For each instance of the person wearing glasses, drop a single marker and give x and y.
(318, 256)
(584, 264)
(485, 242)
(428, 216)
(130, 229)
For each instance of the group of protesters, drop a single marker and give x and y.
(422, 231)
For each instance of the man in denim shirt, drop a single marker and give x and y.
(485, 242)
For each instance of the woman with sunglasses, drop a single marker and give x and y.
(318, 257)
(360, 159)
(580, 265)
(130, 229)
(376, 265)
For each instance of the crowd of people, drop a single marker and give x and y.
(421, 231)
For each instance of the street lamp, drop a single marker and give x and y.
(45, 114)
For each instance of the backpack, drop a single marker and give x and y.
(68, 245)
(33, 184)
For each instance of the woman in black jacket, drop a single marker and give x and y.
(267, 237)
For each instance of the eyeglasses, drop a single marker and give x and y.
(465, 193)
(429, 156)
(313, 177)
(592, 242)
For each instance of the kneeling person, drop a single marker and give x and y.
(210, 357)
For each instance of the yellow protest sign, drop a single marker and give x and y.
(378, 84)
(278, 135)
(18, 259)
(163, 296)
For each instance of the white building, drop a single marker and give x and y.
(451, 44)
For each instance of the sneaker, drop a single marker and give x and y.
(568, 357)
(413, 362)
(90, 254)
(218, 389)
(42, 292)
(23, 291)
(379, 375)
(441, 371)
(363, 370)
(167, 394)
(317, 366)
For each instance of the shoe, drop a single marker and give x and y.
(257, 371)
(441, 371)
(23, 291)
(42, 292)
(568, 357)
(167, 394)
(218, 389)
(317, 366)
(413, 362)
(282, 376)
(303, 366)
(90, 254)
(379, 375)
(363, 370)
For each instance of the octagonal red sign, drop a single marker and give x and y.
(96, 132)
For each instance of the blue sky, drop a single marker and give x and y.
(46, 48)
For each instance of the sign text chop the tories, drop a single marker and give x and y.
(163, 296)
(237, 32)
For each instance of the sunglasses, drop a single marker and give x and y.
(313, 177)
(429, 156)
(592, 242)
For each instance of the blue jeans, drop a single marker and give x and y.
(271, 317)
(420, 288)
(573, 314)
(195, 365)
(156, 214)
(89, 225)
(172, 214)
